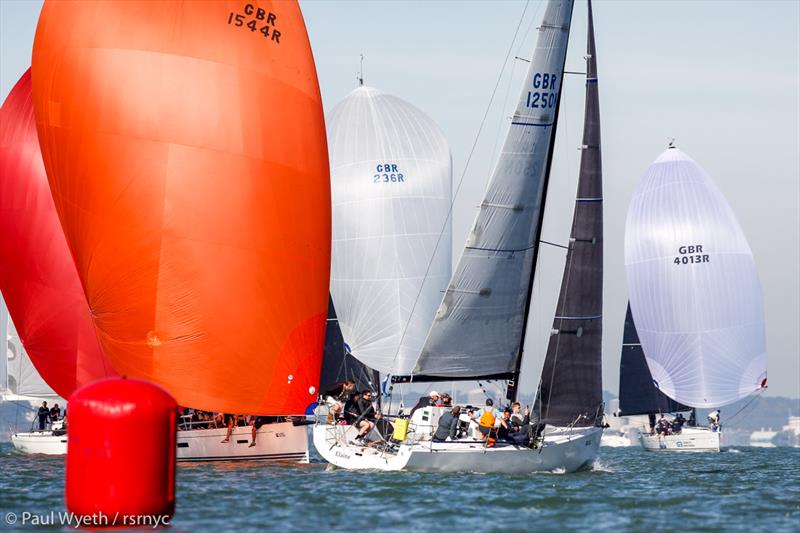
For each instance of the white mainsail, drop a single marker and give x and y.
(391, 180)
(478, 327)
(21, 380)
(694, 288)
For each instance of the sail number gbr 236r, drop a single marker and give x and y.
(545, 91)
(692, 253)
(388, 173)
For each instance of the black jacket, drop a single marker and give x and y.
(366, 410)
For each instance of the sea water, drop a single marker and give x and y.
(628, 489)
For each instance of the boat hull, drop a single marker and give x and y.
(688, 440)
(281, 442)
(40, 443)
(563, 451)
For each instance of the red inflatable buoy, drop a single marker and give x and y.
(121, 453)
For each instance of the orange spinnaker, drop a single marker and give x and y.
(185, 147)
(37, 274)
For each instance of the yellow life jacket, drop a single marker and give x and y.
(487, 419)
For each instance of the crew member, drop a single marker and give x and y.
(44, 415)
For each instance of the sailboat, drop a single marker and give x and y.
(186, 154)
(478, 331)
(695, 296)
(638, 395)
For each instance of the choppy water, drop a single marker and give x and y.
(745, 489)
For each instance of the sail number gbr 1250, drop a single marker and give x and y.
(388, 173)
(545, 94)
(689, 254)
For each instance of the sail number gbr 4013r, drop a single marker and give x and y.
(689, 254)
(388, 173)
(545, 94)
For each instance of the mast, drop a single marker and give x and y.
(570, 391)
(513, 383)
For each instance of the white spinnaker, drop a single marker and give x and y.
(478, 326)
(391, 181)
(694, 288)
(21, 378)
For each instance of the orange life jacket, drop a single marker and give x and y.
(487, 419)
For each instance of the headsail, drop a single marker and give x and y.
(185, 147)
(23, 381)
(571, 390)
(694, 288)
(38, 279)
(638, 395)
(338, 364)
(479, 326)
(391, 174)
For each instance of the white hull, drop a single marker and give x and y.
(283, 442)
(615, 441)
(689, 440)
(40, 442)
(562, 451)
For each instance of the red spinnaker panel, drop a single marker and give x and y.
(37, 274)
(185, 147)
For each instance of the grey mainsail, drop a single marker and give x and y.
(571, 391)
(638, 394)
(479, 327)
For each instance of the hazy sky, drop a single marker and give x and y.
(723, 78)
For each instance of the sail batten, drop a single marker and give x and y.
(479, 325)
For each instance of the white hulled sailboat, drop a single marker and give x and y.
(695, 297)
(479, 328)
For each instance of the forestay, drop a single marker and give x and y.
(391, 176)
(478, 327)
(694, 289)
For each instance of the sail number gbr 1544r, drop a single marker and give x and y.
(256, 19)
(545, 91)
(388, 173)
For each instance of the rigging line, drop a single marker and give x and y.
(745, 406)
(460, 182)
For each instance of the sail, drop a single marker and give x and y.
(38, 279)
(479, 325)
(4, 320)
(693, 285)
(185, 147)
(571, 389)
(391, 179)
(338, 364)
(24, 382)
(638, 394)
